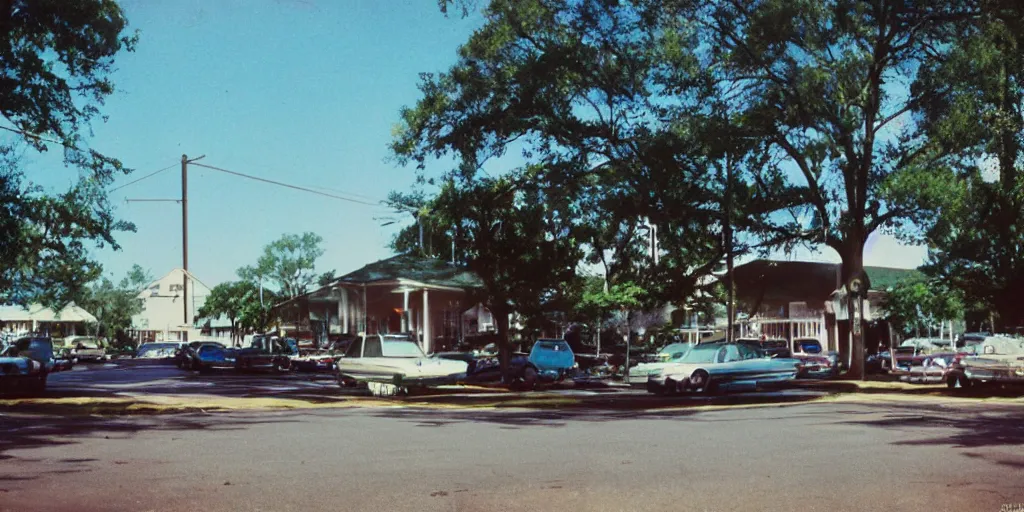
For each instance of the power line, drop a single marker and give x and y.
(37, 137)
(286, 185)
(150, 175)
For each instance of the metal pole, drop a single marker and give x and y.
(731, 306)
(184, 245)
(419, 220)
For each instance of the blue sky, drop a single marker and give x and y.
(301, 91)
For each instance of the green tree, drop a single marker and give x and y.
(114, 305)
(326, 278)
(513, 234)
(915, 304)
(977, 234)
(57, 58)
(437, 238)
(613, 109)
(228, 300)
(254, 316)
(289, 262)
(818, 79)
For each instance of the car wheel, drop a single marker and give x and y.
(38, 384)
(700, 382)
(529, 378)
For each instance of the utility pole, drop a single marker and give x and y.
(184, 246)
(730, 310)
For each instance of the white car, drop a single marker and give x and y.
(668, 355)
(390, 363)
(706, 368)
(85, 348)
(999, 359)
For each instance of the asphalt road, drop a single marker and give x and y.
(823, 456)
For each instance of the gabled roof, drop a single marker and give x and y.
(429, 271)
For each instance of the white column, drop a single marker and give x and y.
(366, 321)
(426, 322)
(343, 311)
(406, 314)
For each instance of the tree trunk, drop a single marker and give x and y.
(852, 266)
(504, 349)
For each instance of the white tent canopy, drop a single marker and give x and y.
(71, 313)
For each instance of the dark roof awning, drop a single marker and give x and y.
(405, 267)
(798, 281)
(403, 271)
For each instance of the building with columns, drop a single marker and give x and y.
(795, 299)
(425, 297)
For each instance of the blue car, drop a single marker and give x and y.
(549, 361)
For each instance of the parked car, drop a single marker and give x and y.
(814, 363)
(320, 360)
(267, 353)
(396, 361)
(931, 370)
(161, 351)
(486, 366)
(85, 348)
(185, 356)
(26, 363)
(775, 347)
(208, 355)
(668, 355)
(549, 361)
(999, 360)
(706, 368)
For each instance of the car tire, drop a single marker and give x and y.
(38, 384)
(952, 381)
(700, 382)
(529, 378)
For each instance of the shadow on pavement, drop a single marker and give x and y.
(27, 432)
(979, 391)
(512, 420)
(977, 427)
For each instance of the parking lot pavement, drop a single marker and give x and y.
(823, 456)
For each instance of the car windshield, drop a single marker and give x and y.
(809, 346)
(88, 343)
(400, 348)
(674, 351)
(701, 354)
(157, 349)
(774, 343)
(553, 345)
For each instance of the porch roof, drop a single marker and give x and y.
(402, 271)
(797, 281)
(412, 269)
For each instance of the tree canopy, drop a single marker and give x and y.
(289, 262)
(727, 125)
(57, 58)
(114, 304)
(977, 232)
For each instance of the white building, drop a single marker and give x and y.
(168, 314)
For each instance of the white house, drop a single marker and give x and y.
(169, 308)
